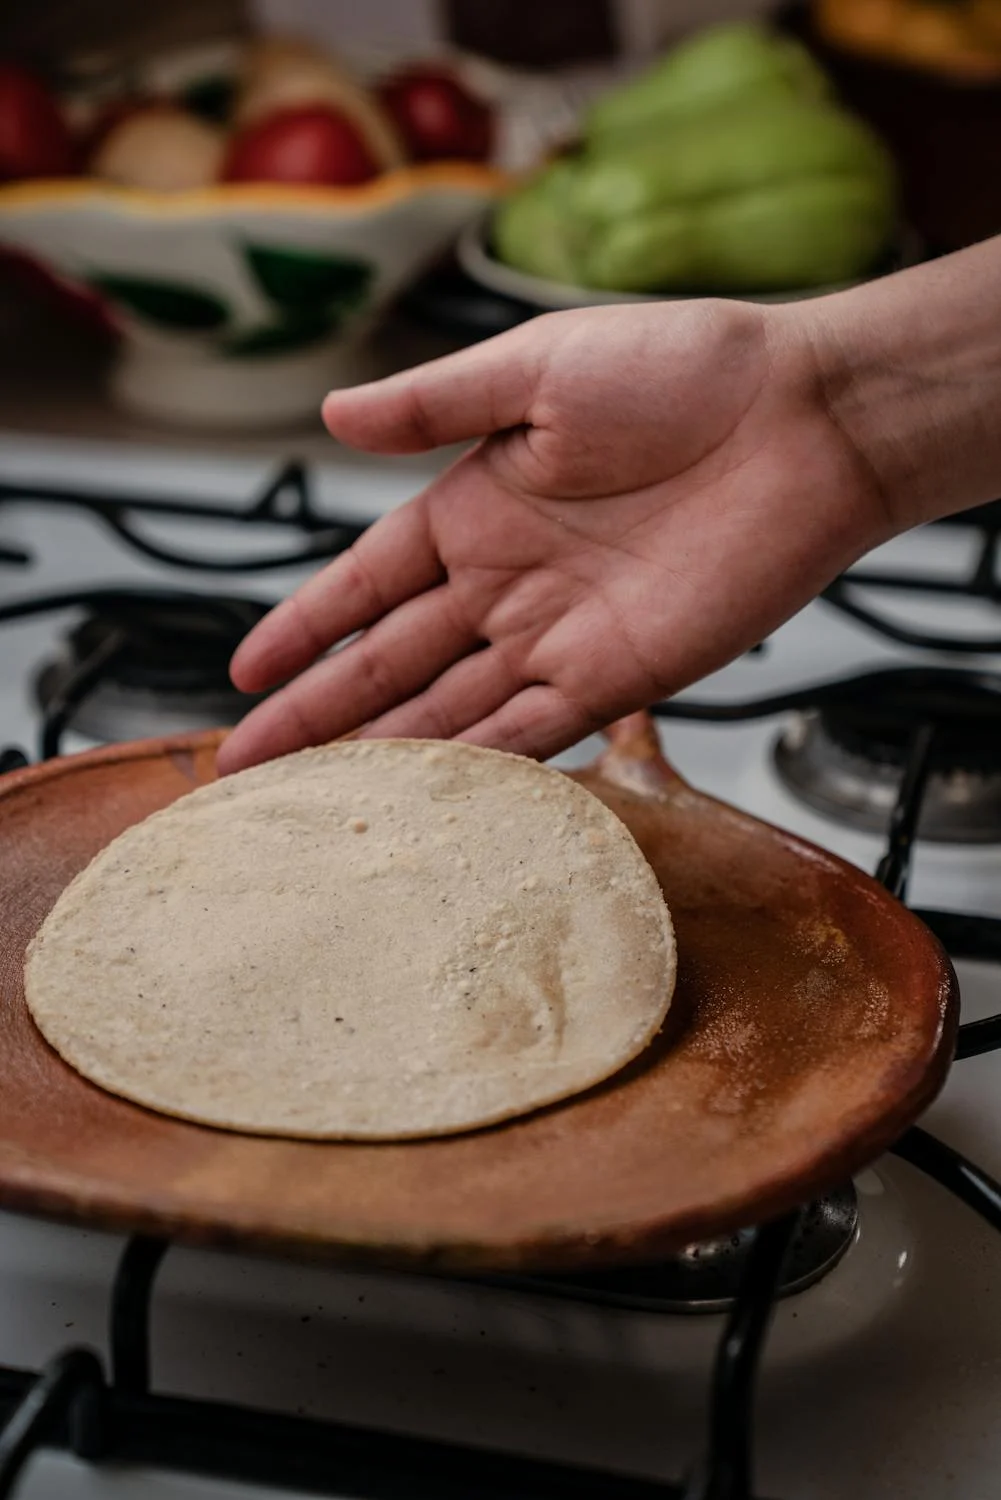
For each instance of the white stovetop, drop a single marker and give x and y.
(882, 1381)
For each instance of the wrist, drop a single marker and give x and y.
(909, 371)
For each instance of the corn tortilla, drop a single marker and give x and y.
(372, 940)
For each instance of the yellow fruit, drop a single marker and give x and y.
(161, 150)
(985, 18)
(942, 37)
(866, 25)
(958, 41)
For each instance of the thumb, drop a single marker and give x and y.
(472, 394)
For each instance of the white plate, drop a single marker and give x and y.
(551, 296)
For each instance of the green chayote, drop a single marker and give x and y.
(794, 235)
(536, 230)
(775, 239)
(717, 65)
(755, 195)
(729, 149)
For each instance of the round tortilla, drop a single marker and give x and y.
(373, 940)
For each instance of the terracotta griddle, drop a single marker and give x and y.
(814, 1018)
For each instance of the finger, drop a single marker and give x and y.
(386, 666)
(540, 721)
(466, 693)
(389, 563)
(471, 394)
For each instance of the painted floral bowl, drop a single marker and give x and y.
(240, 305)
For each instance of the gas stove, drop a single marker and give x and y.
(870, 724)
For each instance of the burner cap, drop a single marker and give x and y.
(148, 664)
(706, 1277)
(846, 757)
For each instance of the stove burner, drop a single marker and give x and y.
(846, 758)
(706, 1277)
(144, 665)
(12, 759)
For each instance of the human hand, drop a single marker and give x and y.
(658, 487)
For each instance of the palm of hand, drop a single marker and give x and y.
(645, 524)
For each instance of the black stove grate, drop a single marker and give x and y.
(71, 1405)
(981, 581)
(963, 935)
(75, 1404)
(286, 499)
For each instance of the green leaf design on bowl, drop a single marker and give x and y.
(166, 304)
(298, 331)
(306, 278)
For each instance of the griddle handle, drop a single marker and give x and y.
(634, 758)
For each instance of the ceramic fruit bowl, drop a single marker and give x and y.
(239, 305)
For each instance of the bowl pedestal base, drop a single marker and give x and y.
(195, 388)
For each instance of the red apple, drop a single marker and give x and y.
(282, 73)
(34, 138)
(78, 303)
(437, 117)
(315, 144)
